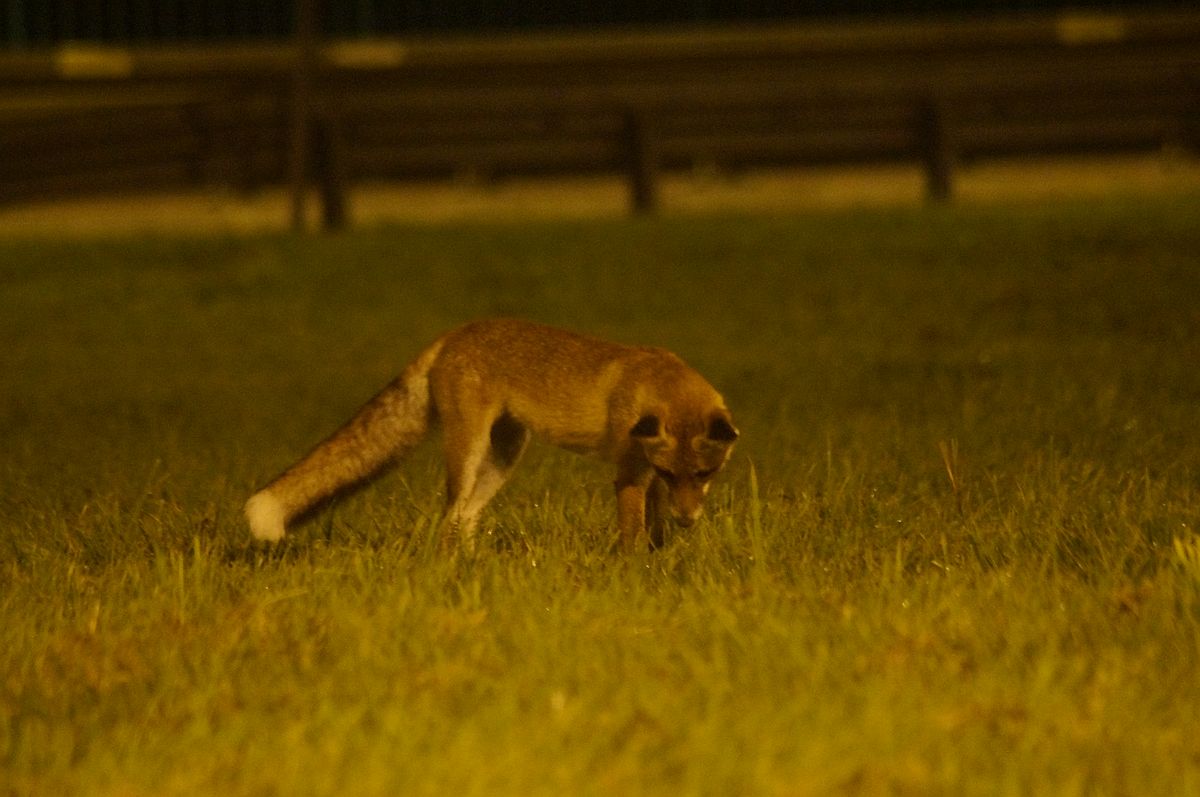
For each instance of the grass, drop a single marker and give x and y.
(957, 550)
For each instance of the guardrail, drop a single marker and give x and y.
(87, 118)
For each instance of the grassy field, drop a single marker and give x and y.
(957, 550)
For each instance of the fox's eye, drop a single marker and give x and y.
(665, 475)
(705, 475)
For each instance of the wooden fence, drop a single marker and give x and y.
(96, 119)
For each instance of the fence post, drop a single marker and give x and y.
(329, 167)
(641, 151)
(301, 107)
(1191, 118)
(937, 149)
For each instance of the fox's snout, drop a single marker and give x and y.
(685, 501)
(687, 518)
(685, 513)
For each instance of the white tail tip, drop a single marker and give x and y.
(266, 516)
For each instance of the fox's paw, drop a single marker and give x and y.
(266, 517)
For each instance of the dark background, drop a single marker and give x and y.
(38, 23)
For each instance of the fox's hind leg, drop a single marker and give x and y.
(474, 478)
(507, 440)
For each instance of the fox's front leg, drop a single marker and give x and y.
(631, 505)
(655, 521)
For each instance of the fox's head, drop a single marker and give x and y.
(686, 453)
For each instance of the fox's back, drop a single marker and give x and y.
(515, 344)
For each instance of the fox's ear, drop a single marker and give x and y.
(721, 430)
(647, 427)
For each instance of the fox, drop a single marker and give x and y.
(493, 384)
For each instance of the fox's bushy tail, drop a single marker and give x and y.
(386, 428)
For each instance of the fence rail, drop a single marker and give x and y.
(89, 118)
